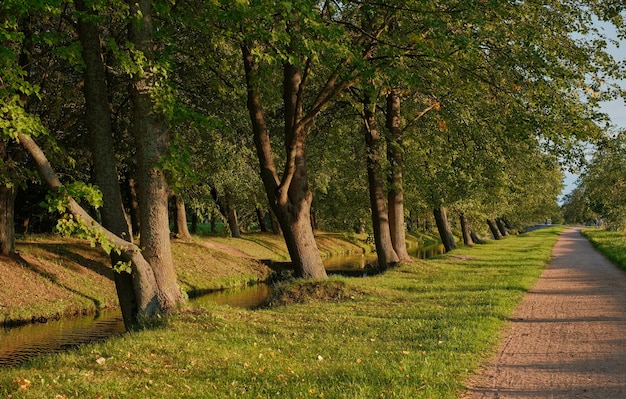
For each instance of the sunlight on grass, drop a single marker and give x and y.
(416, 331)
(610, 243)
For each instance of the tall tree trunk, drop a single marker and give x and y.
(194, 222)
(396, 191)
(8, 192)
(290, 197)
(475, 238)
(228, 210)
(274, 223)
(261, 218)
(443, 225)
(214, 221)
(98, 123)
(180, 221)
(231, 216)
(465, 229)
(7, 220)
(152, 140)
(382, 234)
(494, 229)
(134, 204)
(502, 227)
(144, 282)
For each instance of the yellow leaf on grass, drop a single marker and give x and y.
(22, 383)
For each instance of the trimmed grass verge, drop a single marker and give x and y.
(416, 331)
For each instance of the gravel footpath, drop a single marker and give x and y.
(567, 339)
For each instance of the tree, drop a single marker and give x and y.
(105, 175)
(380, 214)
(302, 38)
(604, 180)
(152, 139)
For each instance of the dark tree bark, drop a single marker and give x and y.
(194, 222)
(502, 227)
(380, 215)
(7, 220)
(7, 204)
(494, 229)
(396, 191)
(231, 217)
(443, 225)
(144, 282)
(466, 230)
(98, 123)
(228, 210)
(152, 140)
(274, 223)
(180, 220)
(134, 204)
(289, 197)
(475, 238)
(260, 214)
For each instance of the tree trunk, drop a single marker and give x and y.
(382, 234)
(144, 282)
(228, 210)
(502, 227)
(396, 191)
(261, 218)
(194, 222)
(475, 238)
(152, 140)
(181, 219)
(214, 221)
(466, 230)
(313, 220)
(445, 232)
(7, 220)
(134, 204)
(274, 222)
(290, 197)
(98, 123)
(494, 229)
(231, 217)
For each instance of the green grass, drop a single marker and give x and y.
(417, 331)
(611, 243)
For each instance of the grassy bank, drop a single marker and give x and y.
(56, 276)
(416, 331)
(611, 243)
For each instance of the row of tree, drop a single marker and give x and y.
(393, 108)
(599, 197)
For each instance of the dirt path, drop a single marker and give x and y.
(568, 337)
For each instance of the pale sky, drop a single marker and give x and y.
(616, 109)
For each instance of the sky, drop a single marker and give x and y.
(616, 109)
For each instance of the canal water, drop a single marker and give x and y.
(19, 344)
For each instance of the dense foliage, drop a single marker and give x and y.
(490, 97)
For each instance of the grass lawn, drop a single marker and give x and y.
(416, 331)
(611, 243)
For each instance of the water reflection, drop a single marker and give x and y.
(19, 344)
(249, 297)
(427, 252)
